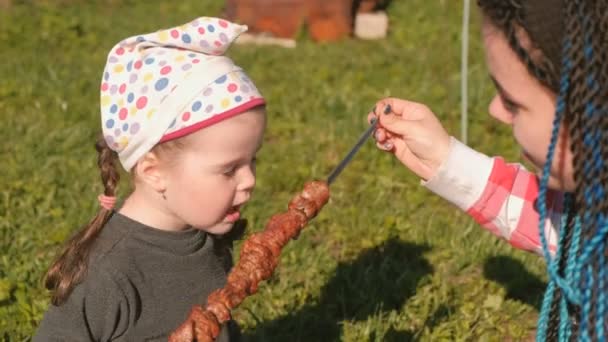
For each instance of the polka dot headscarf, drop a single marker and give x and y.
(163, 85)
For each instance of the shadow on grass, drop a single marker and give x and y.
(379, 280)
(393, 335)
(515, 278)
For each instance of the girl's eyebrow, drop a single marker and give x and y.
(505, 93)
(228, 163)
(234, 160)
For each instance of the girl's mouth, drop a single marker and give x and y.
(233, 214)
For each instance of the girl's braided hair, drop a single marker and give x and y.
(572, 38)
(71, 266)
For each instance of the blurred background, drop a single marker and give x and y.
(385, 260)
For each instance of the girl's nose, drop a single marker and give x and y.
(247, 181)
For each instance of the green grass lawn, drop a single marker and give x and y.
(385, 260)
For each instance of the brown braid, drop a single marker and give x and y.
(586, 27)
(71, 266)
(590, 89)
(553, 325)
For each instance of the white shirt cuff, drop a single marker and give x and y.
(462, 177)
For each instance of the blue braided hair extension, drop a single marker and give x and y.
(601, 304)
(552, 264)
(583, 294)
(565, 328)
(591, 265)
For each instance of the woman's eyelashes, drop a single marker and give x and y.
(509, 105)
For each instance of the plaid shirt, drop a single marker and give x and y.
(499, 196)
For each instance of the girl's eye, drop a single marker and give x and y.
(230, 171)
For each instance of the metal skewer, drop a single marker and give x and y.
(332, 176)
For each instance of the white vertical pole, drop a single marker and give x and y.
(464, 73)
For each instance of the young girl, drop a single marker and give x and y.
(547, 59)
(186, 123)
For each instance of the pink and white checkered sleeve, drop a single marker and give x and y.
(499, 196)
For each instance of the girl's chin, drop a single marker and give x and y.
(219, 228)
(555, 182)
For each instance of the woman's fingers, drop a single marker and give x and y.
(387, 145)
(370, 117)
(394, 124)
(380, 135)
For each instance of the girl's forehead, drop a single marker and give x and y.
(501, 60)
(499, 55)
(242, 132)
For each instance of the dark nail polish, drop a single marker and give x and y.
(388, 109)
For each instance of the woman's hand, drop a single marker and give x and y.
(412, 133)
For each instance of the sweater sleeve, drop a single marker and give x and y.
(499, 196)
(96, 310)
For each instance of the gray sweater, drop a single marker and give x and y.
(140, 286)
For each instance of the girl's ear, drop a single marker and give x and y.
(149, 171)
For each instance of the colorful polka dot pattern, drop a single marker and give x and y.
(145, 71)
(228, 91)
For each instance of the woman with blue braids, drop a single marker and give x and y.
(548, 61)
